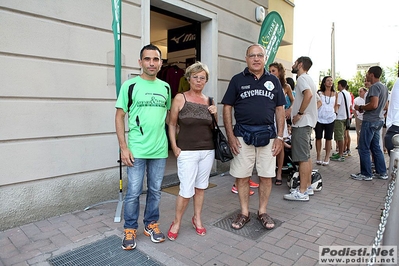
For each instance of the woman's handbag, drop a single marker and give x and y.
(222, 148)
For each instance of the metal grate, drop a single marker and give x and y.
(106, 251)
(252, 230)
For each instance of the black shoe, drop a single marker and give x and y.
(129, 239)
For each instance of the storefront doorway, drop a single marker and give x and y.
(185, 34)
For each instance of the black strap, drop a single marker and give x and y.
(213, 116)
(130, 95)
(346, 105)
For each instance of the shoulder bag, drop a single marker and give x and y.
(222, 148)
(348, 119)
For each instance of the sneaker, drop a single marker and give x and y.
(129, 239)
(153, 231)
(252, 184)
(361, 177)
(347, 153)
(296, 195)
(338, 159)
(235, 190)
(335, 156)
(309, 190)
(383, 176)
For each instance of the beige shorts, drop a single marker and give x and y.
(243, 164)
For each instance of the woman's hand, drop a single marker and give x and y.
(212, 109)
(176, 151)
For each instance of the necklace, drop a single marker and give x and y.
(329, 98)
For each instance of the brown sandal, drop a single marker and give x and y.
(240, 221)
(265, 220)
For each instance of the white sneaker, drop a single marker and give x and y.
(309, 190)
(296, 195)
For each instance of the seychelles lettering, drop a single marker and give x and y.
(257, 92)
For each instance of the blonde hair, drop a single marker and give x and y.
(196, 68)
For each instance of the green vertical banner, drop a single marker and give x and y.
(271, 34)
(116, 28)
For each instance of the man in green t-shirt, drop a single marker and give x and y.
(147, 147)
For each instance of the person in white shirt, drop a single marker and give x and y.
(326, 118)
(392, 117)
(304, 118)
(342, 110)
(359, 100)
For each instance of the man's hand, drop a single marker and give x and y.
(235, 145)
(277, 146)
(296, 118)
(127, 157)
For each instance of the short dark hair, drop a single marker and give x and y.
(376, 71)
(343, 83)
(306, 62)
(150, 47)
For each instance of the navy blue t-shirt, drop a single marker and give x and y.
(254, 100)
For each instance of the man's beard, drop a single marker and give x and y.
(294, 70)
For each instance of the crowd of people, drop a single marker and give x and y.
(271, 113)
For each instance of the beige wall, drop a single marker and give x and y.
(58, 149)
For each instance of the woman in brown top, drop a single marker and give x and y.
(191, 141)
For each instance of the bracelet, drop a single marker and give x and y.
(280, 138)
(300, 113)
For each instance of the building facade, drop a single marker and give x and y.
(58, 148)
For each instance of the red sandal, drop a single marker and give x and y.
(172, 236)
(200, 231)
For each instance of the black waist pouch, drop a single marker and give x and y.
(258, 136)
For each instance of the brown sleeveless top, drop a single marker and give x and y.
(195, 127)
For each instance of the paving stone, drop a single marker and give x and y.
(346, 212)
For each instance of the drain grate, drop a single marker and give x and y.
(252, 230)
(106, 251)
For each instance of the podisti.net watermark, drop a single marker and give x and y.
(358, 255)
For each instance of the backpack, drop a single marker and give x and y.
(293, 180)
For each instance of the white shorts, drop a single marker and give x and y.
(243, 164)
(193, 169)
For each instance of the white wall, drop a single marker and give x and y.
(58, 149)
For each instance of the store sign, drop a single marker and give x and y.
(271, 34)
(181, 38)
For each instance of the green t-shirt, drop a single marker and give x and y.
(151, 100)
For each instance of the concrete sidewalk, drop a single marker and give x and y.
(345, 213)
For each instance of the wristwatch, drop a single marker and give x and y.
(300, 113)
(280, 138)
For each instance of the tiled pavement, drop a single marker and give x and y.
(345, 212)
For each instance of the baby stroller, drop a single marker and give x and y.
(293, 180)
